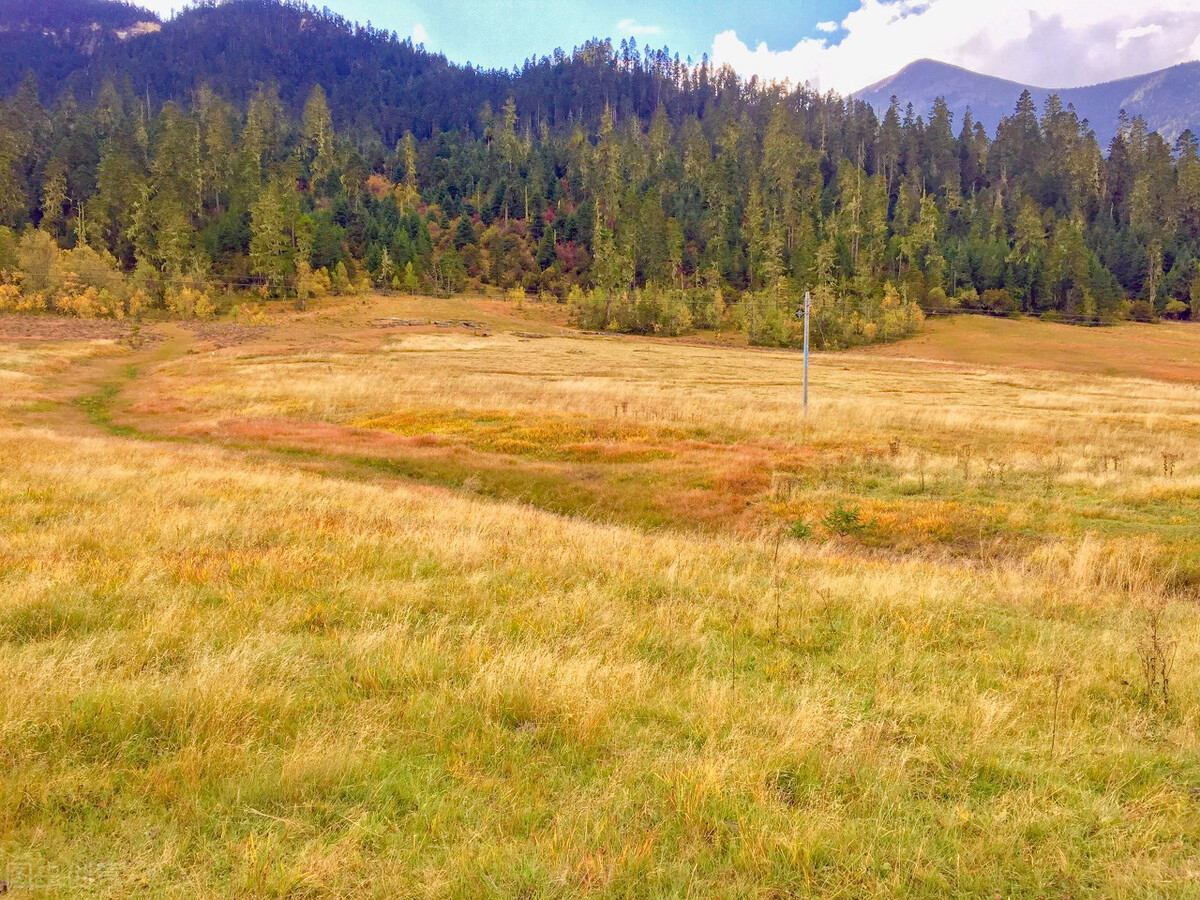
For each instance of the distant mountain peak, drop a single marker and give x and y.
(935, 69)
(1168, 99)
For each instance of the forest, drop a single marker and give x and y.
(650, 194)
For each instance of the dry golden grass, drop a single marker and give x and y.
(1168, 351)
(230, 670)
(716, 436)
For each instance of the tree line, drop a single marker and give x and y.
(716, 209)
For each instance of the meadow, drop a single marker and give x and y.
(358, 604)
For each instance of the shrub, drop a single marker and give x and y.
(90, 269)
(767, 323)
(800, 530)
(189, 303)
(137, 302)
(251, 314)
(8, 249)
(13, 300)
(589, 310)
(769, 318)
(36, 257)
(411, 283)
(340, 279)
(651, 310)
(706, 306)
(1142, 311)
(846, 521)
(937, 301)
(1175, 309)
(999, 302)
(84, 303)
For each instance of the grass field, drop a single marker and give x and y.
(325, 608)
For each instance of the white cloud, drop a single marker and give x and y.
(1050, 43)
(827, 27)
(419, 34)
(1129, 35)
(633, 29)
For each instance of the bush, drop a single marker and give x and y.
(190, 304)
(340, 278)
(999, 303)
(936, 301)
(251, 314)
(90, 269)
(1175, 309)
(1142, 311)
(836, 323)
(8, 250)
(896, 317)
(83, 303)
(137, 302)
(80, 282)
(800, 530)
(37, 255)
(706, 306)
(411, 283)
(12, 300)
(589, 310)
(768, 324)
(651, 310)
(846, 521)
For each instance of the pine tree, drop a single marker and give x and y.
(318, 136)
(270, 244)
(54, 197)
(407, 193)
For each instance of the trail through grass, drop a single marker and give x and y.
(336, 637)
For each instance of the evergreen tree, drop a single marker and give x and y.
(660, 185)
(270, 244)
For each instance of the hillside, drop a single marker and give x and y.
(375, 81)
(275, 147)
(70, 21)
(236, 45)
(58, 40)
(1169, 100)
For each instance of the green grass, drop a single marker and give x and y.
(98, 406)
(288, 668)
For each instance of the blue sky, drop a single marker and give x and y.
(838, 45)
(504, 32)
(500, 33)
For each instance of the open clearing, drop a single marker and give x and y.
(342, 607)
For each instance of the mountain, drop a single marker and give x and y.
(202, 146)
(233, 47)
(376, 82)
(1169, 100)
(63, 19)
(56, 39)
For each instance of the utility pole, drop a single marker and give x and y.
(804, 315)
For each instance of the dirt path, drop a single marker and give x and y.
(75, 398)
(91, 394)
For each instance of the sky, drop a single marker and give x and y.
(840, 45)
